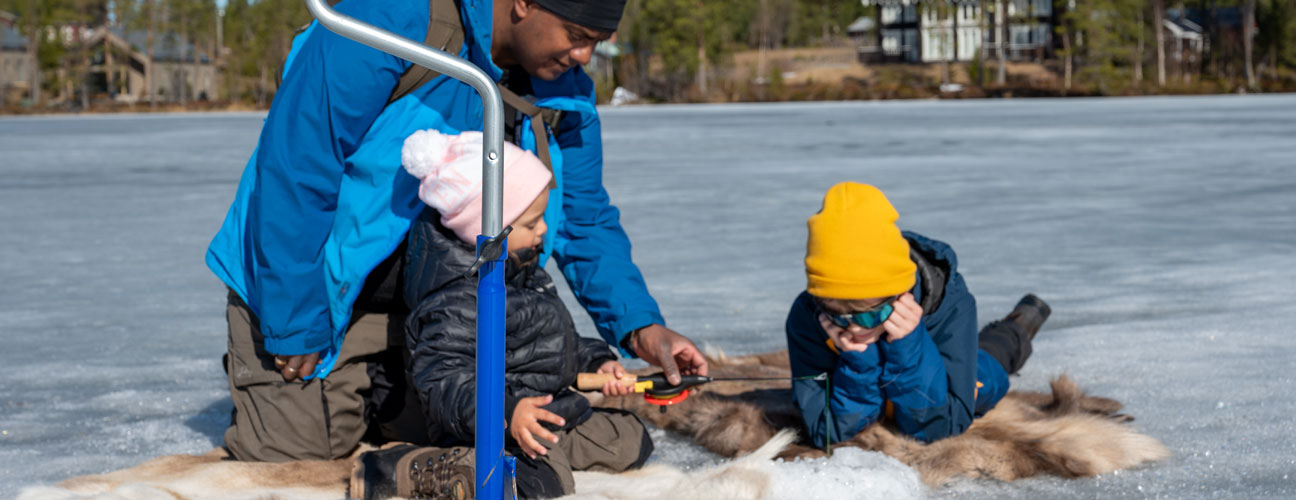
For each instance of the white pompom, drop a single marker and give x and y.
(422, 151)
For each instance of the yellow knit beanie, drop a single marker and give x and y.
(855, 250)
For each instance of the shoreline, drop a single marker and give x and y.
(241, 109)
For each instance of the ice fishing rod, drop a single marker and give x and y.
(657, 390)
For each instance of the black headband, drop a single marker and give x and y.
(600, 15)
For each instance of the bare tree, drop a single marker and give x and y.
(981, 31)
(700, 15)
(33, 41)
(954, 31)
(151, 6)
(1138, 45)
(214, 43)
(1248, 40)
(1158, 22)
(942, 14)
(1001, 29)
(763, 19)
(939, 11)
(1069, 61)
(184, 49)
(84, 44)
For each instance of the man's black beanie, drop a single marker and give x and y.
(600, 15)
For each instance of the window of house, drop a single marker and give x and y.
(1043, 8)
(891, 42)
(890, 14)
(968, 43)
(1043, 35)
(911, 45)
(1019, 35)
(1019, 8)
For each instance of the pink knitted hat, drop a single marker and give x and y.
(449, 169)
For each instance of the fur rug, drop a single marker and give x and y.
(206, 477)
(210, 477)
(1063, 433)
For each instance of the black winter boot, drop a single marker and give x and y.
(1009, 340)
(1030, 313)
(407, 471)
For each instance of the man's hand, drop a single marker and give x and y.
(661, 346)
(295, 367)
(904, 319)
(526, 427)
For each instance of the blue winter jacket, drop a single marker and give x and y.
(929, 377)
(324, 199)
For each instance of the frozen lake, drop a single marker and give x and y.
(1161, 230)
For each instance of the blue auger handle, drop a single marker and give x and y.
(490, 372)
(490, 286)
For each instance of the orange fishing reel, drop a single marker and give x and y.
(662, 393)
(656, 390)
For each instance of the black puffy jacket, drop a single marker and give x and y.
(543, 353)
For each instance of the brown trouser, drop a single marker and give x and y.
(277, 421)
(610, 441)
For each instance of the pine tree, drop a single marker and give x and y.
(1103, 40)
(1276, 41)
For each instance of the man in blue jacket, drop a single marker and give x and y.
(887, 328)
(312, 248)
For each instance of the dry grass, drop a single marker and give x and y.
(109, 108)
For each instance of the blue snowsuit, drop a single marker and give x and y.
(928, 381)
(324, 199)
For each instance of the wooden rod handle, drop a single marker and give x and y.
(595, 381)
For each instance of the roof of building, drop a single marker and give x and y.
(868, 3)
(861, 25)
(1223, 17)
(1183, 28)
(167, 47)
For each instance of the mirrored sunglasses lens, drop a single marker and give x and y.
(867, 320)
(871, 319)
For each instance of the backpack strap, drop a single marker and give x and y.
(539, 118)
(445, 31)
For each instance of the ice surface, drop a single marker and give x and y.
(849, 473)
(1161, 230)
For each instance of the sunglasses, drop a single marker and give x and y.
(867, 319)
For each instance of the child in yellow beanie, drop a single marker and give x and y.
(886, 316)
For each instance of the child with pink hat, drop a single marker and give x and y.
(450, 173)
(552, 429)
